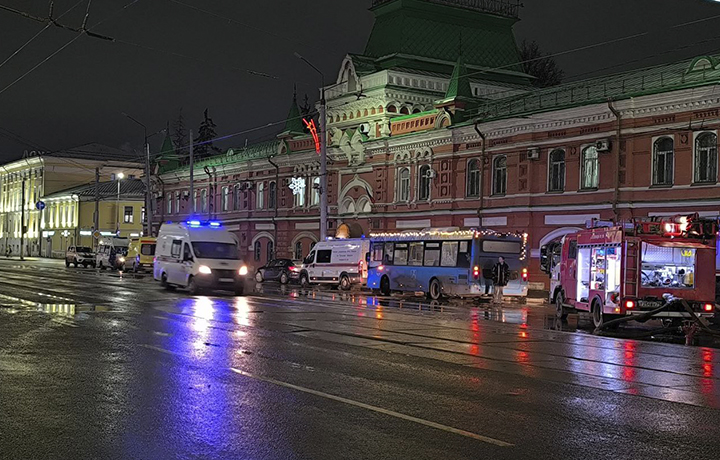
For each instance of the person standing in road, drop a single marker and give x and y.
(500, 275)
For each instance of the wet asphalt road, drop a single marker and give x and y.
(93, 365)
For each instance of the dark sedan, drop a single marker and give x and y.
(283, 270)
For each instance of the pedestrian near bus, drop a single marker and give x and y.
(500, 275)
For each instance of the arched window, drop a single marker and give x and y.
(663, 163)
(404, 184)
(204, 200)
(392, 109)
(500, 175)
(315, 192)
(226, 198)
(556, 171)
(236, 197)
(298, 252)
(706, 158)
(177, 202)
(589, 169)
(270, 251)
(260, 196)
(256, 251)
(473, 178)
(425, 176)
(405, 110)
(299, 194)
(168, 198)
(272, 195)
(196, 204)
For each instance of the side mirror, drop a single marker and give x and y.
(367, 257)
(545, 259)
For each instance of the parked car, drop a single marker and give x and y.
(79, 255)
(197, 256)
(141, 253)
(111, 253)
(283, 270)
(336, 262)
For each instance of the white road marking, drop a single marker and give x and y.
(351, 402)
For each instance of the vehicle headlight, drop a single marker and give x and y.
(121, 260)
(204, 269)
(243, 270)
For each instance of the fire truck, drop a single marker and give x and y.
(613, 270)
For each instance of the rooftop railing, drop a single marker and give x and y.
(507, 8)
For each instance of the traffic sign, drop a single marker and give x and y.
(40, 205)
(97, 234)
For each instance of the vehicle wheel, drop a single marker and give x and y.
(560, 311)
(85, 265)
(101, 266)
(435, 290)
(193, 288)
(304, 281)
(67, 264)
(284, 278)
(135, 267)
(258, 277)
(597, 315)
(345, 283)
(385, 286)
(75, 264)
(164, 283)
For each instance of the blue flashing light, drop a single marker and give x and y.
(215, 224)
(194, 223)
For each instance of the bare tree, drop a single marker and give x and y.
(540, 65)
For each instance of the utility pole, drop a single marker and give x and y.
(22, 221)
(96, 217)
(148, 196)
(192, 176)
(323, 152)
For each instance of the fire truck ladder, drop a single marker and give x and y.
(631, 268)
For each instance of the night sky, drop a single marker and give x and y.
(79, 95)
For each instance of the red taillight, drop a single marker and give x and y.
(525, 274)
(476, 272)
(629, 304)
(292, 269)
(708, 307)
(361, 267)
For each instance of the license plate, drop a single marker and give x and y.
(648, 304)
(227, 280)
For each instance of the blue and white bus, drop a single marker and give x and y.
(446, 262)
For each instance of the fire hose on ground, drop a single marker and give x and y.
(698, 323)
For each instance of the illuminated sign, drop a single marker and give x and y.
(314, 132)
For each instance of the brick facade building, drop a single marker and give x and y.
(434, 129)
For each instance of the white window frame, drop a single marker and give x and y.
(260, 196)
(581, 185)
(420, 180)
(694, 148)
(315, 192)
(226, 198)
(169, 197)
(467, 178)
(496, 192)
(400, 184)
(549, 168)
(652, 162)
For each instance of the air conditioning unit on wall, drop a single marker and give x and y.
(603, 145)
(533, 153)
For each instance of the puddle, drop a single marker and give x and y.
(11, 304)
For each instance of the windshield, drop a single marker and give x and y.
(83, 249)
(667, 267)
(212, 250)
(147, 249)
(121, 250)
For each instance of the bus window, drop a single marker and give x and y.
(509, 247)
(401, 254)
(416, 254)
(377, 252)
(464, 255)
(432, 254)
(388, 256)
(449, 254)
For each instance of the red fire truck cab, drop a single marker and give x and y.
(613, 270)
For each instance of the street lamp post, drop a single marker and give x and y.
(148, 198)
(323, 152)
(118, 177)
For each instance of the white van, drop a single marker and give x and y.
(340, 262)
(111, 253)
(199, 255)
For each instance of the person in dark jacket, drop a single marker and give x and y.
(501, 275)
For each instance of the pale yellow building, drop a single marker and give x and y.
(41, 175)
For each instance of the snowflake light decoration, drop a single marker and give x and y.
(297, 185)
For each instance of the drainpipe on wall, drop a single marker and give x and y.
(616, 192)
(277, 189)
(482, 170)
